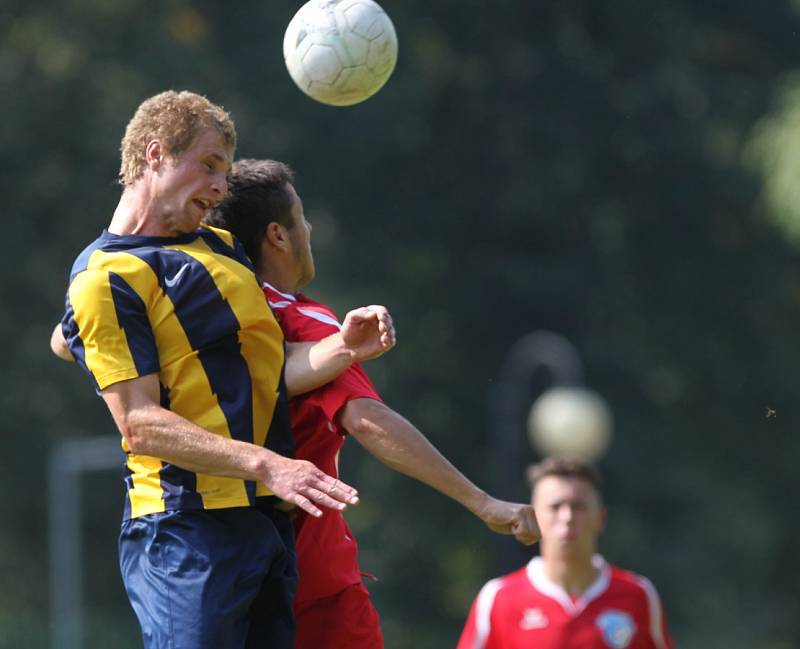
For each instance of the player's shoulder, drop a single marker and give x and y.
(510, 583)
(223, 242)
(278, 299)
(84, 260)
(642, 601)
(300, 307)
(107, 253)
(623, 580)
(225, 235)
(316, 311)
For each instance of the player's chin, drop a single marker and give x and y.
(306, 278)
(190, 221)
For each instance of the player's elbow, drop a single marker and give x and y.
(135, 408)
(134, 430)
(362, 417)
(58, 345)
(134, 439)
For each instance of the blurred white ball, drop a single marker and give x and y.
(570, 423)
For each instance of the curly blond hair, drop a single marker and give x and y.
(174, 118)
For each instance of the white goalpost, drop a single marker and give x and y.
(67, 462)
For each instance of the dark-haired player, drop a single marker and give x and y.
(569, 597)
(333, 609)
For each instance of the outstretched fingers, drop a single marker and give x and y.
(303, 484)
(325, 491)
(332, 492)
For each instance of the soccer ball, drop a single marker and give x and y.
(340, 52)
(570, 423)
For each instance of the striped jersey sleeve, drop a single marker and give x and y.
(107, 327)
(190, 310)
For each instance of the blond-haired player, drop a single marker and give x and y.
(168, 320)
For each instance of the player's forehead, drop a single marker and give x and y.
(211, 144)
(293, 195)
(296, 201)
(553, 488)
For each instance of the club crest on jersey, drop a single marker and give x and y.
(533, 618)
(617, 627)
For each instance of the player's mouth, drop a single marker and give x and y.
(202, 204)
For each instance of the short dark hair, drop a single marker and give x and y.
(257, 196)
(552, 466)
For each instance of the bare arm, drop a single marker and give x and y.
(152, 430)
(397, 443)
(58, 344)
(366, 333)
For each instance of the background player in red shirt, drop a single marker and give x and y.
(569, 597)
(332, 606)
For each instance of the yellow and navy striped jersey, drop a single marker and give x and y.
(189, 309)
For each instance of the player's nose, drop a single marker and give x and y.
(220, 184)
(566, 513)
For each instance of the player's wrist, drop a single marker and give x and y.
(331, 354)
(341, 351)
(477, 502)
(261, 464)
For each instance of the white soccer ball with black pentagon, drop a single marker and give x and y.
(340, 52)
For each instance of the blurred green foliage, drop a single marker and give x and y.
(623, 172)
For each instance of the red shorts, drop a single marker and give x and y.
(347, 620)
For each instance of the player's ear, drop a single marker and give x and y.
(276, 236)
(153, 153)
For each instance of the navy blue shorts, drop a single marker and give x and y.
(211, 579)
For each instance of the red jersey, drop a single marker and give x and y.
(620, 610)
(327, 553)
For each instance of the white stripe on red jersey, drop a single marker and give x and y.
(484, 605)
(327, 552)
(656, 621)
(322, 317)
(619, 610)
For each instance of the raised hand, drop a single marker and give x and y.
(368, 332)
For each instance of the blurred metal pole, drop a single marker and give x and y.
(509, 401)
(66, 463)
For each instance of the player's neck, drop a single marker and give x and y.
(574, 575)
(281, 281)
(135, 213)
